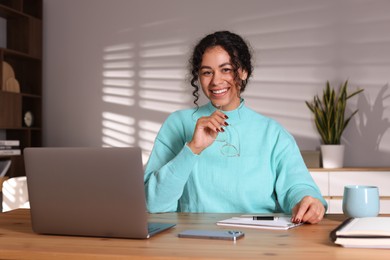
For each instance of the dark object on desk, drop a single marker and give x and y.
(232, 235)
(271, 218)
(88, 192)
(370, 232)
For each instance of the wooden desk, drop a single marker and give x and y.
(17, 241)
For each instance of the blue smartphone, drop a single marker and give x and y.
(232, 235)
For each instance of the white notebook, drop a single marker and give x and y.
(370, 232)
(279, 223)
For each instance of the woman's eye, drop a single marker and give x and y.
(206, 73)
(226, 70)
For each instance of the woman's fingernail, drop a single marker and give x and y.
(226, 117)
(226, 123)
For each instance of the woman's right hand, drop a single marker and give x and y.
(206, 131)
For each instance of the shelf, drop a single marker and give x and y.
(17, 165)
(24, 33)
(14, 8)
(23, 52)
(28, 71)
(19, 54)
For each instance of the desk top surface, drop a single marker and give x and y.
(17, 241)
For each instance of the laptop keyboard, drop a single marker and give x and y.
(152, 227)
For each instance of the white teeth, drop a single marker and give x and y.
(219, 91)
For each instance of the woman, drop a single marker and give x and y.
(223, 156)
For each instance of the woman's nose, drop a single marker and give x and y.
(217, 78)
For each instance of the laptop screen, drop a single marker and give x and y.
(87, 191)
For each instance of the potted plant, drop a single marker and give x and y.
(330, 121)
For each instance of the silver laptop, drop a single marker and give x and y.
(88, 192)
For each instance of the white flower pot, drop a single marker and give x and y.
(332, 155)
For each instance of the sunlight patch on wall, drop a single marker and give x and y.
(160, 106)
(177, 74)
(293, 74)
(384, 144)
(163, 96)
(118, 100)
(163, 90)
(295, 47)
(163, 52)
(119, 82)
(117, 56)
(118, 130)
(147, 134)
(118, 64)
(166, 62)
(162, 85)
(118, 91)
(161, 75)
(118, 75)
(296, 118)
(169, 41)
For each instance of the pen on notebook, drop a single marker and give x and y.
(265, 218)
(260, 217)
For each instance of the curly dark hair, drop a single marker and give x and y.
(234, 45)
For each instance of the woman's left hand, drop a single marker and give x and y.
(308, 210)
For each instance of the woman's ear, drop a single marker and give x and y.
(243, 75)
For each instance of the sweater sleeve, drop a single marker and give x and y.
(168, 169)
(293, 178)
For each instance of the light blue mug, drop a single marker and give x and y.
(361, 201)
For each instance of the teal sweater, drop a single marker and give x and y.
(268, 176)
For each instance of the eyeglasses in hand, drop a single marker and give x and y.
(227, 138)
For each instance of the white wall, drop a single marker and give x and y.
(113, 70)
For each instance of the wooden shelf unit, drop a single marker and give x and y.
(23, 51)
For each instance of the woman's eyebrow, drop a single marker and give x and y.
(220, 66)
(205, 67)
(224, 64)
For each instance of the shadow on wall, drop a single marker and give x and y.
(296, 51)
(143, 82)
(367, 132)
(144, 79)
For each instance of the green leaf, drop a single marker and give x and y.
(329, 112)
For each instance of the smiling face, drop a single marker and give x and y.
(217, 78)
